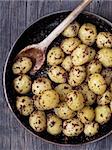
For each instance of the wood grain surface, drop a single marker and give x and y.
(15, 17)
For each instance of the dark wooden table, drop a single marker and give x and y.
(15, 17)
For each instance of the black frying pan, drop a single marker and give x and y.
(34, 34)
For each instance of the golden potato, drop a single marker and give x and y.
(63, 89)
(36, 101)
(94, 67)
(91, 129)
(105, 57)
(86, 114)
(40, 85)
(72, 30)
(77, 75)
(82, 54)
(57, 74)
(24, 105)
(55, 56)
(103, 114)
(89, 96)
(22, 65)
(97, 84)
(63, 111)
(104, 39)
(22, 84)
(49, 99)
(67, 63)
(72, 127)
(105, 98)
(107, 74)
(54, 124)
(75, 100)
(69, 44)
(88, 33)
(37, 121)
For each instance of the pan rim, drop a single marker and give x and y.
(4, 81)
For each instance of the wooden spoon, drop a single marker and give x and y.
(37, 51)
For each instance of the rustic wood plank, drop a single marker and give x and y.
(15, 16)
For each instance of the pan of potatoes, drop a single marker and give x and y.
(69, 100)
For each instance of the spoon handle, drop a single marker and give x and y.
(59, 29)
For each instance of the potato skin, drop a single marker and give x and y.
(63, 111)
(40, 85)
(105, 57)
(63, 89)
(91, 129)
(72, 127)
(57, 74)
(104, 39)
(67, 63)
(88, 33)
(72, 30)
(24, 105)
(49, 99)
(103, 114)
(55, 56)
(75, 100)
(54, 124)
(89, 96)
(107, 74)
(94, 67)
(69, 44)
(111, 106)
(77, 75)
(105, 98)
(82, 54)
(37, 121)
(22, 65)
(86, 114)
(36, 101)
(97, 84)
(22, 84)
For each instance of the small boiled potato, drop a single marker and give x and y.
(72, 127)
(22, 65)
(57, 74)
(88, 33)
(41, 84)
(103, 114)
(75, 100)
(67, 63)
(63, 89)
(94, 67)
(89, 96)
(105, 98)
(36, 101)
(22, 84)
(104, 39)
(105, 57)
(37, 121)
(97, 84)
(91, 129)
(54, 124)
(77, 75)
(111, 106)
(63, 111)
(86, 114)
(69, 44)
(55, 56)
(82, 54)
(72, 30)
(24, 105)
(49, 99)
(107, 74)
